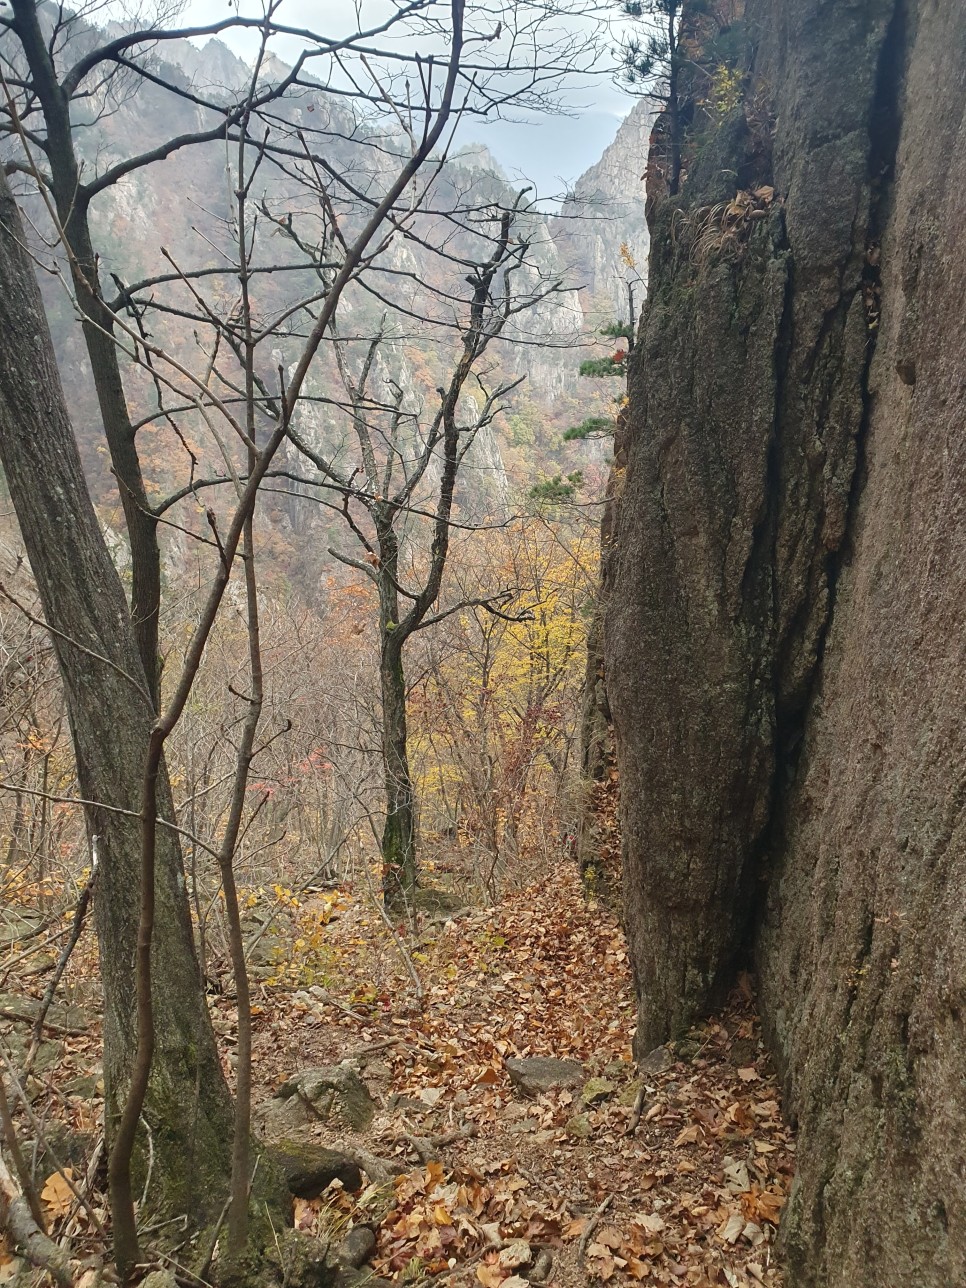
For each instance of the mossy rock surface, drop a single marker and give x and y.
(578, 1127)
(309, 1168)
(597, 1090)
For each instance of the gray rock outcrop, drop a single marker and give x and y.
(784, 641)
(535, 1075)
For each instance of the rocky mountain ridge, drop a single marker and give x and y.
(166, 204)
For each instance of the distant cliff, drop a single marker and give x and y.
(786, 636)
(602, 230)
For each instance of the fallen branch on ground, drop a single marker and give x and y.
(323, 995)
(65, 1030)
(592, 1225)
(16, 1218)
(373, 1047)
(427, 1147)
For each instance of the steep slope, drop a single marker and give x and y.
(784, 640)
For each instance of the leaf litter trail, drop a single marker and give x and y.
(692, 1196)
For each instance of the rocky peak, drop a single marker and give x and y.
(605, 212)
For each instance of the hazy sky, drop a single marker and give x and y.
(551, 151)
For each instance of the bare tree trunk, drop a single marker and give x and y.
(399, 833)
(112, 712)
(73, 203)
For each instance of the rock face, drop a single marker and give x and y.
(785, 639)
(309, 1168)
(747, 397)
(863, 949)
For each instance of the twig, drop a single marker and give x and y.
(6, 1013)
(9, 964)
(426, 1147)
(77, 925)
(635, 1118)
(592, 1225)
(39, 1250)
(182, 1274)
(147, 1179)
(68, 639)
(397, 940)
(373, 1047)
(323, 994)
(73, 1224)
(202, 1272)
(34, 933)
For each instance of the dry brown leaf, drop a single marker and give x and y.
(517, 1253)
(57, 1196)
(649, 1221)
(490, 1276)
(605, 1268)
(610, 1237)
(637, 1269)
(731, 1229)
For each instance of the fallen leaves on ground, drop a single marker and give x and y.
(693, 1196)
(697, 1189)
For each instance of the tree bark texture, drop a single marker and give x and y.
(784, 637)
(111, 714)
(399, 830)
(73, 211)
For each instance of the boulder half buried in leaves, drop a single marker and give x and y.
(333, 1093)
(535, 1075)
(309, 1168)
